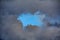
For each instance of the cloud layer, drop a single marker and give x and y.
(11, 28)
(46, 6)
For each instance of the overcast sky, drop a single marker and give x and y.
(46, 6)
(11, 26)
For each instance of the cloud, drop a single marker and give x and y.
(11, 28)
(17, 6)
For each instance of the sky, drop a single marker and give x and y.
(15, 7)
(35, 19)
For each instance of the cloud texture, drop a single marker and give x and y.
(11, 28)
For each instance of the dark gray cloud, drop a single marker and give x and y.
(46, 6)
(10, 28)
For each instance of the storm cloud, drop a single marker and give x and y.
(50, 7)
(11, 28)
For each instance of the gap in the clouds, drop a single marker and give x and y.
(31, 19)
(37, 19)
